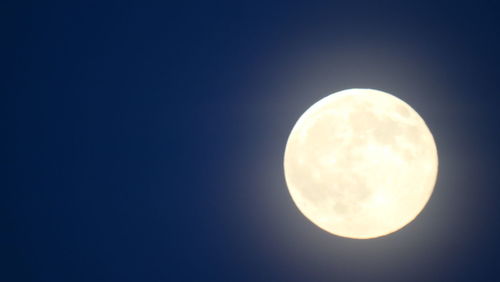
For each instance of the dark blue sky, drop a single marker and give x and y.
(144, 140)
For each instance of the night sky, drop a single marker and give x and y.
(144, 141)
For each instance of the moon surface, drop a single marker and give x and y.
(360, 163)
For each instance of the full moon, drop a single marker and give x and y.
(360, 163)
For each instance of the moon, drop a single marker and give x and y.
(360, 163)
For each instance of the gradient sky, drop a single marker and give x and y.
(144, 140)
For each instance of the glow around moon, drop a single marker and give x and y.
(360, 163)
